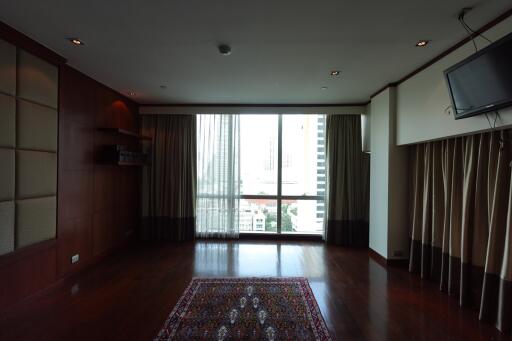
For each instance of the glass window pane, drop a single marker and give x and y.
(258, 154)
(303, 155)
(258, 215)
(302, 216)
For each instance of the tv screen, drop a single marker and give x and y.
(482, 82)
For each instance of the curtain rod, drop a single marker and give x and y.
(195, 110)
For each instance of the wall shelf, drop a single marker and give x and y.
(120, 154)
(131, 163)
(125, 132)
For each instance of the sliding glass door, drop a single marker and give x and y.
(282, 174)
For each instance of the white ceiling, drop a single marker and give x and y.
(282, 50)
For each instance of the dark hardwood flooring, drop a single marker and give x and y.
(129, 295)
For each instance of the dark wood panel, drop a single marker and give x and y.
(76, 196)
(103, 231)
(27, 272)
(129, 297)
(89, 191)
(105, 188)
(84, 106)
(127, 195)
(106, 116)
(76, 150)
(127, 221)
(125, 118)
(75, 237)
(77, 97)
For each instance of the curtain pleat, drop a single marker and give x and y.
(218, 182)
(169, 183)
(347, 182)
(461, 221)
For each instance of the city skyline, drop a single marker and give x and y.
(254, 139)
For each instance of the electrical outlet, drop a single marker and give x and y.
(75, 258)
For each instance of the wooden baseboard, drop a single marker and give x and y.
(399, 263)
(282, 237)
(26, 251)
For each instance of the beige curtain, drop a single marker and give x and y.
(348, 179)
(169, 184)
(461, 221)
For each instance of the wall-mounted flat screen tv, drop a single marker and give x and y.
(482, 82)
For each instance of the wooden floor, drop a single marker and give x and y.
(128, 296)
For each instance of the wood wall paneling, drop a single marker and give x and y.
(29, 83)
(27, 271)
(103, 231)
(93, 210)
(93, 214)
(75, 237)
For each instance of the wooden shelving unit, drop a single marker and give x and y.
(125, 132)
(131, 163)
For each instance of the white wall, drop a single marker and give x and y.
(366, 129)
(414, 112)
(422, 99)
(388, 176)
(379, 166)
(398, 234)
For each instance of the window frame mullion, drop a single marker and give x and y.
(279, 170)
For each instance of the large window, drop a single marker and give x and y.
(282, 172)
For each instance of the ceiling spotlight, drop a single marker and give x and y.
(323, 88)
(224, 49)
(76, 41)
(422, 43)
(335, 73)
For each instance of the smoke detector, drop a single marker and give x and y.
(224, 49)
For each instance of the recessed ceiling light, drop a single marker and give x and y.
(335, 73)
(131, 93)
(323, 88)
(76, 41)
(422, 43)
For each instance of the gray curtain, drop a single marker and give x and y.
(348, 179)
(169, 184)
(461, 222)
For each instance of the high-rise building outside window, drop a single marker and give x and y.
(282, 173)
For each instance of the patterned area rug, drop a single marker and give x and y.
(246, 309)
